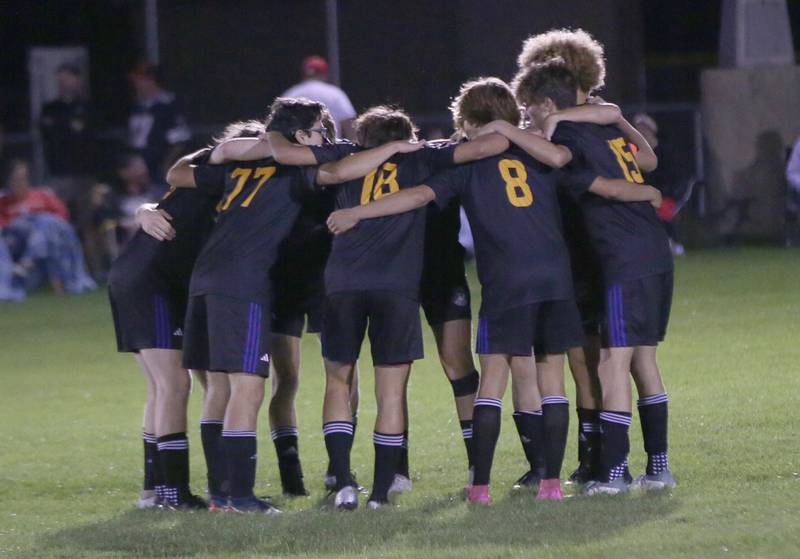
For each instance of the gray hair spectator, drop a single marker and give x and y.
(157, 128)
(315, 87)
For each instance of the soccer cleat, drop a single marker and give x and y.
(187, 503)
(616, 487)
(147, 500)
(656, 482)
(550, 490)
(346, 498)
(292, 480)
(252, 504)
(479, 495)
(377, 505)
(217, 504)
(401, 484)
(581, 476)
(530, 480)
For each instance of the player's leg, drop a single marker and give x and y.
(588, 396)
(343, 329)
(174, 383)
(555, 413)
(390, 423)
(152, 487)
(653, 414)
(486, 421)
(282, 414)
(217, 394)
(615, 420)
(453, 342)
(529, 418)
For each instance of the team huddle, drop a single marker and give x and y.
(279, 228)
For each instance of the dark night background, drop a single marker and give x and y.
(227, 60)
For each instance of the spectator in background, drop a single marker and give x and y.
(157, 128)
(40, 240)
(136, 187)
(792, 235)
(315, 87)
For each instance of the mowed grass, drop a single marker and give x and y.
(70, 450)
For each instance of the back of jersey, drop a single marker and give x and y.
(386, 252)
(629, 239)
(259, 206)
(511, 203)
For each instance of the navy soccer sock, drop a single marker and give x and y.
(241, 457)
(485, 431)
(402, 462)
(173, 451)
(555, 412)
(653, 415)
(214, 451)
(288, 451)
(151, 466)
(339, 442)
(466, 434)
(615, 443)
(530, 427)
(388, 450)
(589, 438)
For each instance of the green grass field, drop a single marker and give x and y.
(70, 450)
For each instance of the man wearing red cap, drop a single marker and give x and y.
(315, 87)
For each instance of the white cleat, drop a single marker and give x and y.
(616, 487)
(376, 505)
(147, 500)
(401, 484)
(346, 498)
(657, 482)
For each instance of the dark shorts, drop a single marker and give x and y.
(226, 334)
(147, 314)
(290, 312)
(637, 311)
(395, 332)
(543, 328)
(445, 298)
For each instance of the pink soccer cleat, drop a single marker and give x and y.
(550, 490)
(479, 494)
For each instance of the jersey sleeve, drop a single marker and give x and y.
(448, 184)
(210, 178)
(333, 152)
(566, 135)
(576, 180)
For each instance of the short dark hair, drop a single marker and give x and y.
(287, 115)
(381, 124)
(483, 100)
(548, 80)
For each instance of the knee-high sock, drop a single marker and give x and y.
(485, 431)
(653, 415)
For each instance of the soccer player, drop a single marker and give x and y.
(583, 55)
(229, 303)
(373, 277)
(148, 293)
(636, 264)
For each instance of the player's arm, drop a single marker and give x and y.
(289, 153)
(595, 113)
(625, 191)
(240, 149)
(155, 222)
(646, 158)
(181, 174)
(362, 163)
(552, 155)
(405, 200)
(485, 145)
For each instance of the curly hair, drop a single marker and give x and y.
(583, 54)
(289, 114)
(381, 124)
(483, 100)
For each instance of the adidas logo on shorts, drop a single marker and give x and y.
(265, 358)
(460, 298)
(178, 332)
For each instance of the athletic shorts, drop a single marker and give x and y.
(226, 334)
(542, 328)
(390, 318)
(637, 311)
(589, 296)
(445, 298)
(290, 310)
(147, 313)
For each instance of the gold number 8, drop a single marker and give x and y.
(518, 191)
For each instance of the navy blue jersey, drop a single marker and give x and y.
(628, 238)
(192, 211)
(386, 252)
(512, 206)
(260, 205)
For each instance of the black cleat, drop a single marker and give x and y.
(187, 503)
(292, 480)
(530, 480)
(581, 476)
(252, 504)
